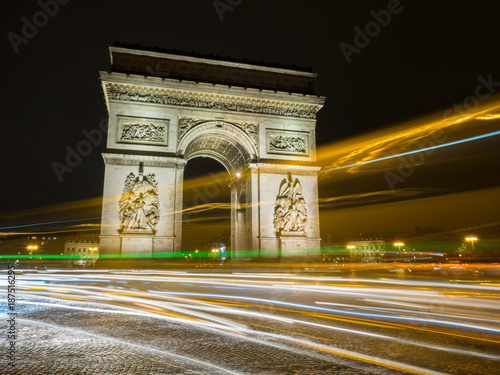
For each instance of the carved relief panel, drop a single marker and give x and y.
(288, 142)
(142, 131)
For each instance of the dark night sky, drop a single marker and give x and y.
(427, 58)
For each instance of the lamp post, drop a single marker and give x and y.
(471, 240)
(351, 250)
(92, 256)
(32, 248)
(399, 244)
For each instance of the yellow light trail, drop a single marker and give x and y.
(443, 331)
(342, 353)
(70, 298)
(369, 359)
(394, 140)
(154, 304)
(377, 323)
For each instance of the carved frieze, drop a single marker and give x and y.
(212, 101)
(139, 205)
(142, 130)
(290, 214)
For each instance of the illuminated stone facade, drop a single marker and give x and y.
(259, 122)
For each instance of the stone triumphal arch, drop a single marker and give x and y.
(257, 121)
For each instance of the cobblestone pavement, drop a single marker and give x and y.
(166, 323)
(58, 341)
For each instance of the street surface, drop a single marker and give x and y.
(173, 322)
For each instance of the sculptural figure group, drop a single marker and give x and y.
(139, 203)
(290, 214)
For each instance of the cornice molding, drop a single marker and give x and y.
(148, 161)
(283, 169)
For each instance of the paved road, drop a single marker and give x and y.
(158, 322)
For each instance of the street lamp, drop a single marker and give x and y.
(32, 248)
(399, 244)
(352, 256)
(471, 240)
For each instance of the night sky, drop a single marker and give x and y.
(427, 58)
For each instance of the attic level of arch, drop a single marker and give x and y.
(211, 71)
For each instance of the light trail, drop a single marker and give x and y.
(368, 292)
(234, 311)
(50, 222)
(220, 277)
(470, 139)
(438, 311)
(413, 319)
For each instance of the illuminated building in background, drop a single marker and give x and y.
(366, 249)
(258, 121)
(216, 252)
(37, 244)
(81, 252)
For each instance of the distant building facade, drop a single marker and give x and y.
(366, 249)
(81, 252)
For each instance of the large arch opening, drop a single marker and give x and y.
(217, 153)
(206, 215)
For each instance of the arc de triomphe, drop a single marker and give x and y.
(258, 121)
